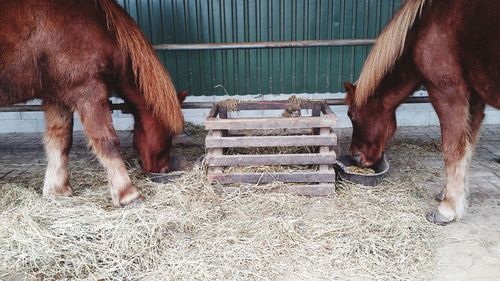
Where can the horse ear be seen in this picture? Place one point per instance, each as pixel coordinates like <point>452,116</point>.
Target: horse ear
<point>351,89</point>
<point>182,96</point>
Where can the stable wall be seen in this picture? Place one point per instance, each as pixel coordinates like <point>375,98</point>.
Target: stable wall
<point>407,114</point>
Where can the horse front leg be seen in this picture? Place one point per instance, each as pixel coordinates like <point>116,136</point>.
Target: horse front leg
<point>476,116</point>
<point>98,126</point>
<point>57,141</point>
<point>457,116</point>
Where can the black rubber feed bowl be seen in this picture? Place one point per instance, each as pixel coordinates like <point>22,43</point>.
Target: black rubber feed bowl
<point>165,178</point>
<point>178,164</point>
<point>380,169</point>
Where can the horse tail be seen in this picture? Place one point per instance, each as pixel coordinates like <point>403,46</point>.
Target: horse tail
<point>388,49</point>
<point>151,77</point>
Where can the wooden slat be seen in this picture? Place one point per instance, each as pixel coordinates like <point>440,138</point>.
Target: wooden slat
<point>274,105</point>
<point>222,112</point>
<point>215,152</point>
<point>298,177</point>
<point>325,108</point>
<point>324,150</point>
<point>270,123</point>
<point>270,159</point>
<point>309,190</point>
<point>276,132</point>
<point>214,111</point>
<point>316,112</point>
<point>305,190</point>
<point>271,141</point>
<point>316,109</point>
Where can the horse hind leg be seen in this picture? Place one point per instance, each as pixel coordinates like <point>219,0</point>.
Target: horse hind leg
<point>98,126</point>
<point>58,140</point>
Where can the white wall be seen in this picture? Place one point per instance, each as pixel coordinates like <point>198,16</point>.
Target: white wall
<point>407,114</point>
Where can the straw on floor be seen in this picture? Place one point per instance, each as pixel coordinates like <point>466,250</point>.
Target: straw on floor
<point>186,231</point>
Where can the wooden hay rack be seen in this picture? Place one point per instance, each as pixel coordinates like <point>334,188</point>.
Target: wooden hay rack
<point>314,130</point>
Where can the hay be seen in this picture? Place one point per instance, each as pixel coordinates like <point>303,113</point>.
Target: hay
<point>267,169</point>
<point>231,104</point>
<point>270,150</point>
<point>194,130</point>
<point>294,107</point>
<point>187,231</point>
<point>360,170</point>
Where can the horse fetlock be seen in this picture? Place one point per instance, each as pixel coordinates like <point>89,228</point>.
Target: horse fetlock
<point>440,196</point>
<point>459,206</point>
<point>447,211</point>
<point>126,196</point>
<point>57,190</point>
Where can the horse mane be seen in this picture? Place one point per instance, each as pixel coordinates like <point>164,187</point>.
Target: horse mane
<point>151,76</point>
<point>387,50</point>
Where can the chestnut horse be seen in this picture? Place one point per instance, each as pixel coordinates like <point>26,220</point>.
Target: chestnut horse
<point>71,54</point>
<point>451,47</point>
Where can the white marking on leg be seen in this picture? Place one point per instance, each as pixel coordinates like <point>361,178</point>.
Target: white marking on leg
<point>98,125</point>
<point>457,186</point>
<point>56,176</point>
<point>120,186</point>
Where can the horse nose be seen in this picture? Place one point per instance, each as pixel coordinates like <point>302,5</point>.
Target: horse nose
<point>357,157</point>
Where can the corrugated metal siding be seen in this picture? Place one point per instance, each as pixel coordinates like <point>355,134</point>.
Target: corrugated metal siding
<point>239,72</point>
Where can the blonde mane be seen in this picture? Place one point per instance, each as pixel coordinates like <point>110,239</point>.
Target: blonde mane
<point>151,76</point>
<point>387,50</point>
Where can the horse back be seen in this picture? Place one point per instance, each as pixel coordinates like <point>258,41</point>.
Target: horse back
<point>480,44</point>
<point>49,48</point>
<point>458,43</point>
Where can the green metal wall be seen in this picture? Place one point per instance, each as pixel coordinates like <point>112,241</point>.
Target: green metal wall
<point>239,72</point>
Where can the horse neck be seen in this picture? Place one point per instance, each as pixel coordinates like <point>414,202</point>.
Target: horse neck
<point>400,83</point>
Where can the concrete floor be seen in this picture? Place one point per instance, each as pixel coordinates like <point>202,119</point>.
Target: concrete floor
<point>471,250</point>
<point>472,247</point>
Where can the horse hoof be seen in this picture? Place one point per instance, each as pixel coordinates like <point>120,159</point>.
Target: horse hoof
<point>130,196</point>
<point>440,196</point>
<point>436,217</point>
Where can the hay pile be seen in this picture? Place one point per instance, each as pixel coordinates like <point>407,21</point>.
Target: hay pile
<point>269,150</point>
<point>294,107</point>
<point>186,231</point>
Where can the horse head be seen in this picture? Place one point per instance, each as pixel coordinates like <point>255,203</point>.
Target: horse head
<point>372,127</point>
<point>153,142</point>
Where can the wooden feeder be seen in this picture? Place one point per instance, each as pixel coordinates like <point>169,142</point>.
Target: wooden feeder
<point>316,177</point>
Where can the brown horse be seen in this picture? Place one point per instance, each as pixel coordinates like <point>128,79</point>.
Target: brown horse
<point>451,47</point>
<point>72,54</point>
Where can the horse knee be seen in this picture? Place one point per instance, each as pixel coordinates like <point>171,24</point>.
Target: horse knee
<point>106,147</point>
